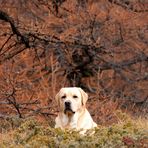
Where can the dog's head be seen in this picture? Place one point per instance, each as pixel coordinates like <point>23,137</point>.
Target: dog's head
<point>71,99</point>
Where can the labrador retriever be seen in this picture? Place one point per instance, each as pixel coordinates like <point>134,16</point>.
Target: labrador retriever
<point>72,110</point>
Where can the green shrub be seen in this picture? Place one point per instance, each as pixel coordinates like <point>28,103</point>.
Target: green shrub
<point>127,133</point>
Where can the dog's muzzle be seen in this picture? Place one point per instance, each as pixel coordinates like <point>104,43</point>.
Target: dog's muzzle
<point>68,107</point>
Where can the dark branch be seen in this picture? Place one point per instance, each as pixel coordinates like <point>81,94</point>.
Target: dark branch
<point>5,17</point>
<point>125,63</point>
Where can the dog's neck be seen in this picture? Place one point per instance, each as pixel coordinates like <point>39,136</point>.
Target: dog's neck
<point>71,118</point>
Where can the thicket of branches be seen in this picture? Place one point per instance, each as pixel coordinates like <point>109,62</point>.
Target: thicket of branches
<point>101,46</point>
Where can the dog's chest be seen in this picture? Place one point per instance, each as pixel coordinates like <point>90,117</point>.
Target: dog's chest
<point>69,122</point>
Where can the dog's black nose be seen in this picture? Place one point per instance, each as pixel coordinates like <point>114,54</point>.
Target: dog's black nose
<point>67,103</point>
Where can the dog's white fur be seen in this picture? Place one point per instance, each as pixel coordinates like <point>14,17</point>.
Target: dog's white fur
<point>78,117</point>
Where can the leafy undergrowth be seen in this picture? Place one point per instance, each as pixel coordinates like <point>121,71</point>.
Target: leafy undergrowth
<point>33,134</point>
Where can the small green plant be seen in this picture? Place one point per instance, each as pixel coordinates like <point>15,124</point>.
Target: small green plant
<point>126,133</point>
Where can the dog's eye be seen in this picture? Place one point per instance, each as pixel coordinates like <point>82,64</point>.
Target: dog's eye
<point>63,97</point>
<point>75,96</point>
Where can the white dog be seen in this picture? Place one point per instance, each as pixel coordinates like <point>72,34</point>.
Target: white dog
<point>72,110</point>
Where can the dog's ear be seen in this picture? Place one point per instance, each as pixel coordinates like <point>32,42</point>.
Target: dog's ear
<point>57,98</point>
<point>84,96</point>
